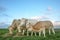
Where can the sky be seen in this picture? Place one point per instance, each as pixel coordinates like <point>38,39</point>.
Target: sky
<point>34,9</point>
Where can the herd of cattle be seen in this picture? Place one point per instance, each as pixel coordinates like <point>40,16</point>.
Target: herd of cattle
<point>24,25</point>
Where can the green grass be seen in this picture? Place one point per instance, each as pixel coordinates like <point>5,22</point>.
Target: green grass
<point>48,37</point>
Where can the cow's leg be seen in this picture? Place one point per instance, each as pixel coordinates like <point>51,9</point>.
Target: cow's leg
<point>40,33</point>
<point>11,30</point>
<point>44,32</point>
<point>27,33</point>
<point>31,33</point>
<point>49,31</point>
<point>53,31</point>
<point>23,32</point>
<point>18,28</point>
<point>35,33</point>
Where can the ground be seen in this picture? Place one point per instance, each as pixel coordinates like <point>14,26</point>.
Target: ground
<point>48,37</point>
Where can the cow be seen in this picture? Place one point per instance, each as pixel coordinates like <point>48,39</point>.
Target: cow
<point>25,24</point>
<point>14,26</point>
<point>22,26</point>
<point>40,26</point>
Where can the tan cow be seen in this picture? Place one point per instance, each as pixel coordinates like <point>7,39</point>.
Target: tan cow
<point>40,27</point>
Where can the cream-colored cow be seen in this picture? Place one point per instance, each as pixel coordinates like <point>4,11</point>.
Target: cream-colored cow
<point>40,26</point>
<point>22,26</point>
<point>14,26</point>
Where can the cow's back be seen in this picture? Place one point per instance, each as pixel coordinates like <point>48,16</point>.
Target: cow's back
<point>43,24</point>
<point>47,24</point>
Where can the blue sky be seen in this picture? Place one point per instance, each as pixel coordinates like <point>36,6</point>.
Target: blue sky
<point>16,9</point>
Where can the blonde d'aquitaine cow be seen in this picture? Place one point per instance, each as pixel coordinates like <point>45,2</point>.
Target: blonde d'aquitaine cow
<point>40,26</point>
<point>14,26</point>
<point>19,25</point>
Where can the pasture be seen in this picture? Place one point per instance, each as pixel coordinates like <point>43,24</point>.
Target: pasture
<point>48,37</point>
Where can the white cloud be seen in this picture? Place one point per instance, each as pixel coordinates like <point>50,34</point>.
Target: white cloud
<point>57,23</point>
<point>36,17</point>
<point>49,8</point>
<point>4,22</point>
<point>42,18</point>
<point>39,17</point>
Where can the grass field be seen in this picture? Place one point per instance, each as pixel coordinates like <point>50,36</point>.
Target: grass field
<point>48,37</point>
